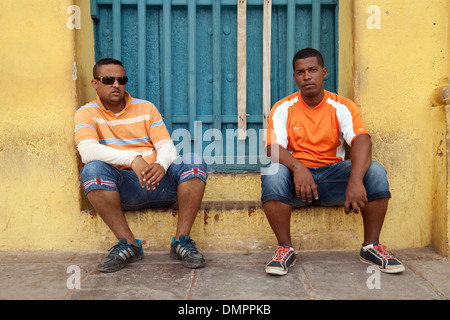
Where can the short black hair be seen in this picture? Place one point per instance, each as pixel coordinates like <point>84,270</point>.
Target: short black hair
<point>103,62</point>
<point>308,53</point>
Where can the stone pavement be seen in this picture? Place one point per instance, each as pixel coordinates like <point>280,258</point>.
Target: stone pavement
<point>53,275</point>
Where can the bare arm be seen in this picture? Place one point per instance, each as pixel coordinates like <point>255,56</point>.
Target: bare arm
<point>305,186</point>
<point>361,157</point>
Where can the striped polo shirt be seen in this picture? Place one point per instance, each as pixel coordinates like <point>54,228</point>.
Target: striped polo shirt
<point>137,127</point>
<point>315,136</point>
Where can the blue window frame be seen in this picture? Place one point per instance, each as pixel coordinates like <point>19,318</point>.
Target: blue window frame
<point>182,56</point>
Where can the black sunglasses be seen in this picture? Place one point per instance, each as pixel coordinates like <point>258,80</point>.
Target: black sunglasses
<point>111,80</point>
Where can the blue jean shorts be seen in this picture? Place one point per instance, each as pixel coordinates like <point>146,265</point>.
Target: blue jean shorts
<point>278,184</point>
<point>100,175</point>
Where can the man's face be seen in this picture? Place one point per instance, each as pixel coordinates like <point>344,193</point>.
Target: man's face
<point>110,94</point>
<point>309,76</point>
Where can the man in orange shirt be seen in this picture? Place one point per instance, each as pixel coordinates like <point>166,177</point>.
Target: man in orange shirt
<point>131,164</point>
<point>305,141</point>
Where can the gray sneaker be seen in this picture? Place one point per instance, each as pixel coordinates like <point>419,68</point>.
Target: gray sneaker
<point>120,255</point>
<point>184,249</point>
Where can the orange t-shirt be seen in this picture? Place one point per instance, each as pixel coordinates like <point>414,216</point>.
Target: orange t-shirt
<point>137,127</point>
<point>315,136</point>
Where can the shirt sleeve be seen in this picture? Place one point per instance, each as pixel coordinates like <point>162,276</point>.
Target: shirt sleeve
<point>91,150</point>
<point>85,127</point>
<point>276,127</point>
<point>157,128</point>
<point>351,122</point>
<point>87,141</point>
<point>166,153</point>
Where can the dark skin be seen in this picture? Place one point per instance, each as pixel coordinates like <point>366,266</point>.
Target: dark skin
<point>309,76</point>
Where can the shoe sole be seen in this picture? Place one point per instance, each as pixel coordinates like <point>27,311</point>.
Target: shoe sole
<point>120,266</point>
<point>279,271</point>
<point>398,269</point>
<point>187,264</point>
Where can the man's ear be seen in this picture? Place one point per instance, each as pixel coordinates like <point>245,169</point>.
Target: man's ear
<point>325,72</point>
<point>94,83</point>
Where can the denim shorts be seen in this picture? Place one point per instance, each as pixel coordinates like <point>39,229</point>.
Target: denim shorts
<point>277,184</point>
<point>100,175</point>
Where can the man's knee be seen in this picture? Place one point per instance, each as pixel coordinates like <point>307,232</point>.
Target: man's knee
<point>376,182</point>
<point>98,175</point>
<point>276,183</point>
<point>189,166</point>
<point>377,172</point>
<point>94,168</point>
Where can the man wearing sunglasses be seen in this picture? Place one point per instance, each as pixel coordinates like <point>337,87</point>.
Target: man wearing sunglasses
<point>131,163</point>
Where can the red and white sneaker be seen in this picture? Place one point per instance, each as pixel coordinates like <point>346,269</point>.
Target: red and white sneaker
<point>377,255</point>
<point>283,258</point>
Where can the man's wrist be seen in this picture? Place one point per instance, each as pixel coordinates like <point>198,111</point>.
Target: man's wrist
<point>134,159</point>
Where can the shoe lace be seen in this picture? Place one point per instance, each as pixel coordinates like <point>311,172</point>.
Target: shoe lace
<point>280,253</point>
<point>381,250</point>
<point>116,249</point>
<point>189,245</point>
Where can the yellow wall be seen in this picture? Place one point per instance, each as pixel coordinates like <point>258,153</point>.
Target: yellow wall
<point>397,68</point>
<point>85,53</point>
<point>39,185</point>
<point>390,72</point>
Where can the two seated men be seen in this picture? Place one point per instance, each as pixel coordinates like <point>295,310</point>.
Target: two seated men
<point>131,163</point>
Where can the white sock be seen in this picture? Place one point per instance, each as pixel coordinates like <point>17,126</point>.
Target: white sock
<point>369,246</point>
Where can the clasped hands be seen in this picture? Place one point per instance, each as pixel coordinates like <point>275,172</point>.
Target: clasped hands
<point>149,174</point>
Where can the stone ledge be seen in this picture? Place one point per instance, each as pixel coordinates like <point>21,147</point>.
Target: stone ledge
<point>234,226</point>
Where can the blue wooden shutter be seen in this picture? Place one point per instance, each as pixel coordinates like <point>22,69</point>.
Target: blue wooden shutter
<point>182,56</point>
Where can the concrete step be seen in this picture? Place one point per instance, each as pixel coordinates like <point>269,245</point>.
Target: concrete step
<point>227,226</point>
<point>230,219</point>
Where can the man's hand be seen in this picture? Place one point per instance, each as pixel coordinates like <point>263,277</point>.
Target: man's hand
<point>361,156</point>
<point>305,186</point>
<point>138,166</point>
<point>153,174</point>
<point>355,196</point>
<point>149,174</point>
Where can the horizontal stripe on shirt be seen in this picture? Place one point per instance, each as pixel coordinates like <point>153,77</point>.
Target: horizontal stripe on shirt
<point>117,122</point>
<point>83,126</point>
<point>95,105</point>
<point>157,123</point>
<point>124,142</point>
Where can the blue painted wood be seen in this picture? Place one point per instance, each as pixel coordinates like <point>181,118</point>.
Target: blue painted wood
<point>142,45</point>
<point>216,65</point>
<point>94,10</point>
<point>117,29</point>
<point>167,65</point>
<point>315,31</point>
<point>182,56</point>
<point>291,12</point>
<point>222,2</point>
<point>192,55</point>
